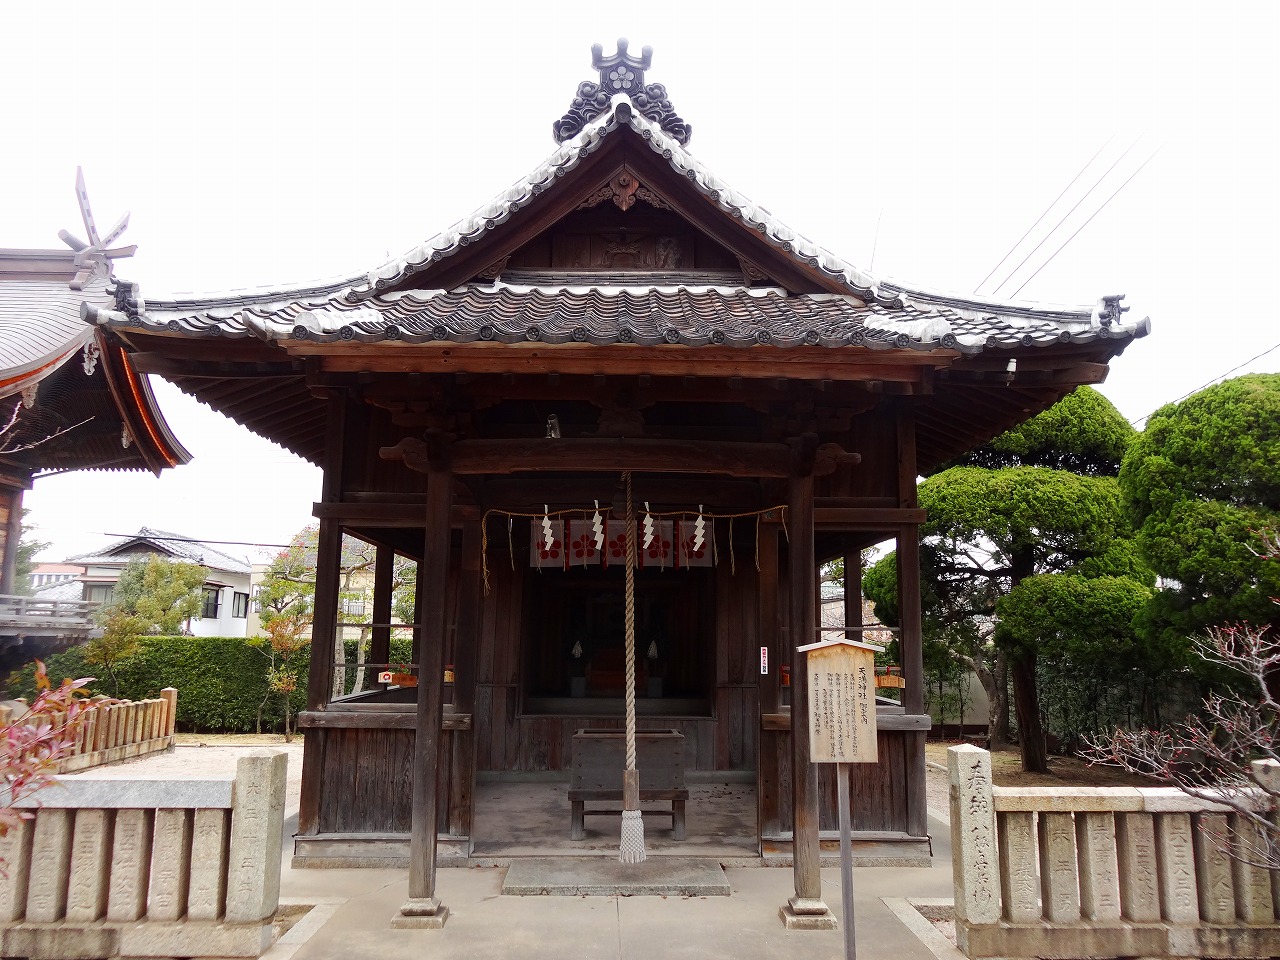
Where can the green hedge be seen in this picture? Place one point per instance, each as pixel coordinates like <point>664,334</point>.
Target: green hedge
<point>221,681</point>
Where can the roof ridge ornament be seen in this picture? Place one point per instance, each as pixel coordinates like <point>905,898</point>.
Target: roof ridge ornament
<point>621,73</point>
<point>93,258</point>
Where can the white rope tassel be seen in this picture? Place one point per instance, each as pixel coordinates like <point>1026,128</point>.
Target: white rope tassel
<point>631,848</point>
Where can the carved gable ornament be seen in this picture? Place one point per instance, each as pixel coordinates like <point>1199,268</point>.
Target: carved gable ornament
<point>621,73</point>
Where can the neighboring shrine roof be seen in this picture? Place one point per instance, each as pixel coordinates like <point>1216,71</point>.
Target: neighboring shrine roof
<point>173,545</point>
<point>70,378</point>
<point>635,308</point>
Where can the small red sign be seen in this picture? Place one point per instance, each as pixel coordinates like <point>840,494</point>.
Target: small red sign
<point>764,661</point>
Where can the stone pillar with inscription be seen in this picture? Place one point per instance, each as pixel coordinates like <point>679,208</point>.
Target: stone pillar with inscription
<point>257,832</point>
<point>973,839</point>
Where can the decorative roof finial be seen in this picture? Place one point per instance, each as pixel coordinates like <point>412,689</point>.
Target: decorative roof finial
<point>93,258</point>
<point>621,73</point>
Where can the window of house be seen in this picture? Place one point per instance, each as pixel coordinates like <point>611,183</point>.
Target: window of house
<point>211,599</point>
<point>353,606</point>
<point>240,605</point>
<point>99,592</point>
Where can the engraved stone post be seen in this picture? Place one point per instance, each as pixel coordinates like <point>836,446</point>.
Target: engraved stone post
<point>1099,879</point>
<point>1019,886</point>
<point>208,888</point>
<point>1213,868</point>
<point>1252,882</point>
<point>50,867</point>
<point>90,866</point>
<point>15,852</point>
<point>1059,880</point>
<point>170,865</point>
<point>170,697</point>
<point>1136,848</point>
<point>1176,859</point>
<point>130,865</point>
<point>973,835</point>
<point>257,827</point>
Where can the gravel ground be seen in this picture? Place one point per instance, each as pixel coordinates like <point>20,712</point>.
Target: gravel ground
<point>937,792</point>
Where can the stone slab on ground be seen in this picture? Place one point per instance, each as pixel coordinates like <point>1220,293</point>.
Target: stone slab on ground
<point>604,877</point>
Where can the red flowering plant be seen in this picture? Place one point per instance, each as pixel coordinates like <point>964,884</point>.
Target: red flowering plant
<point>36,740</point>
<point>1227,753</point>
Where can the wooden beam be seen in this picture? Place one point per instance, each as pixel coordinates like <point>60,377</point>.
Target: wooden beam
<point>500,457</point>
<point>757,362</point>
<point>830,519</point>
<point>173,367</point>
<point>717,493</point>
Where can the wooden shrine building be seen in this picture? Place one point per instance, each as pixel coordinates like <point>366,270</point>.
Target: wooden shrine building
<point>474,405</point>
<point>70,397</point>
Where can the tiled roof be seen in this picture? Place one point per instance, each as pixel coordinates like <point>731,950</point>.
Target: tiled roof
<point>178,547</point>
<point>608,308</point>
<point>567,309</point>
<point>40,326</point>
<point>61,590</point>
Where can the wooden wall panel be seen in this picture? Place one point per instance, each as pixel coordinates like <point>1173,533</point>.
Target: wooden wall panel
<point>877,794</point>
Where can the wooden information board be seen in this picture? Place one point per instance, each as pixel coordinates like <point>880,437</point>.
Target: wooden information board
<point>842,701</point>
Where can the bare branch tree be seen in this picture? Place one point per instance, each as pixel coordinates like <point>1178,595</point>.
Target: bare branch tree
<point>1227,753</point>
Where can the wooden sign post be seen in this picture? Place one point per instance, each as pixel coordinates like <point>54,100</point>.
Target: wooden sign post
<point>842,730</point>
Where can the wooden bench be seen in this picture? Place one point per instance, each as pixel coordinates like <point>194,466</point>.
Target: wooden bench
<point>598,759</point>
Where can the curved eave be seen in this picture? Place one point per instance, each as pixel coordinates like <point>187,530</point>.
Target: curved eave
<point>138,409</point>
<point>18,379</point>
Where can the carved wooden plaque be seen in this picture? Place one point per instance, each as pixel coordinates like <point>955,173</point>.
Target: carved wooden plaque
<point>842,702</point>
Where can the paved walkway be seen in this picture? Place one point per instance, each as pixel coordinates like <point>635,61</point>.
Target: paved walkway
<point>353,909</point>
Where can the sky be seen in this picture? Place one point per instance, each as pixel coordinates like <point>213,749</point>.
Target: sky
<point>261,143</point>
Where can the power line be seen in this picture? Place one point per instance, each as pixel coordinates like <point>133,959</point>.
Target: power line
<point>1054,229</point>
<point>1221,376</point>
<point>1086,223</point>
<point>1045,214</point>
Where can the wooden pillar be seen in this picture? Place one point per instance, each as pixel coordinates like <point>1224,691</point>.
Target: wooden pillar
<point>423,908</point>
<point>324,618</point>
<point>768,777</point>
<point>911,639</point>
<point>853,594</point>
<point>466,647</point>
<point>12,536</point>
<point>806,908</point>
<point>384,565</point>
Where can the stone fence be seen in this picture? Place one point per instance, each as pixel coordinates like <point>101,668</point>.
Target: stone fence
<point>1101,872</point>
<point>112,730</point>
<point>146,868</point>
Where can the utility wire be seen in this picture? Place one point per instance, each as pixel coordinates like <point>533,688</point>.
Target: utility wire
<point>1043,215</point>
<point>1221,376</point>
<point>1054,228</point>
<point>1086,223</point>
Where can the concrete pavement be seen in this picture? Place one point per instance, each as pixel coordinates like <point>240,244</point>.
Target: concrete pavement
<point>356,906</point>
<point>347,913</point>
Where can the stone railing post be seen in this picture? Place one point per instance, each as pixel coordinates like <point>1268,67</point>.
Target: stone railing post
<point>257,826</point>
<point>973,837</point>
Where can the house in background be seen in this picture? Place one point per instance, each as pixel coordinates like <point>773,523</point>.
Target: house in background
<point>226,588</point>
<point>44,575</point>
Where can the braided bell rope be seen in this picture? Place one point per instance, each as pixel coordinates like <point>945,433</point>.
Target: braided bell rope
<point>631,626</point>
